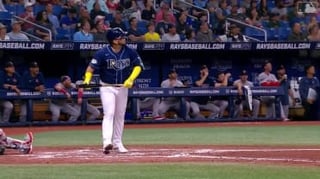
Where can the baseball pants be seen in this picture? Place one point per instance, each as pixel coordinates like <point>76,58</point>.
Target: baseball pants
<point>66,108</point>
<point>91,109</point>
<point>7,107</point>
<point>255,108</point>
<point>114,103</point>
<point>148,103</point>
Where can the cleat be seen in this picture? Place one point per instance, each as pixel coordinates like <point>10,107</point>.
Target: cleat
<point>106,149</point>
<point>120,148</point>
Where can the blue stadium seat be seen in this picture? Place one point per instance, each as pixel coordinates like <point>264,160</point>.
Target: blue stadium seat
<point>251,32</point>
<point>273,34</point>
<point>271,4</point>
<point>5,16</point>
<point>142,26</point>
<point>63,34</point>
<point>284,24</point>
<point>56,10</point>
<point>284,33</point>
<point>37,8</point>
<point>19,9</point>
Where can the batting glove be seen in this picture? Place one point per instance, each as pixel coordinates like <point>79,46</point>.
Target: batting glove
<point>128,83</point>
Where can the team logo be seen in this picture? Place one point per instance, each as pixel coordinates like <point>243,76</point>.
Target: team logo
<point>118,64</point>
<point>94,61</point>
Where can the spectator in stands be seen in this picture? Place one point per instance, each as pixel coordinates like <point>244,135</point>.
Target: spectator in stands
<point>172,102</point>
<point>9,81</point>
<point>134,34</point>
<point>182,25</point>
<point>52,18</point>
<point>3,33</point>
<point>195,11</point>
<point>97,6</point>
<point>70,21</point>
<point>85,15</point>
<point>313,21</point>
<point>296,33</point>
<point>65,86</point>
<point>43,21</point>
<point>253,18</point>
<point>162,26</point>
<point>240,101</point>
<point>148,13</point>
<point>198,103</point>
<point>16,34</point>
<point>96,10</point>
<point>314,33</point>
<point>32,80</point>
<point>308,89</point>
<point>163,13</point>
<point>263,10</point>
<point>84,34</point>
<point>113,5</point>
<point>280,9</point>
<point>204,34</point>
<point>151,35</point>
<point>172,35</point>
<point>131,10</point>
<point>28,16</point>
<point>234,35</point>
<point>266,78</point>
<point>190,36</point>
<point>221,13</point>
<point>99,31</point>
<point>285,84</point>
<point>236,14</point>
<point>118,21</point>
<point>274,21</point>
<point>70,4</point>
<point>222,80</point>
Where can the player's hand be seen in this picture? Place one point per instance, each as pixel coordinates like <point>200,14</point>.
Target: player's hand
<point>128,83</point>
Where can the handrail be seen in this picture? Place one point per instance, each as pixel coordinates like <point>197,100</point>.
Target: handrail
<point>37,25</point>
<point>248,25</point>
<point>33,36</point>
<point>192,5</point>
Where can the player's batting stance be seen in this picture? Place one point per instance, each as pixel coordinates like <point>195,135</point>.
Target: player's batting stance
<point>117,64</point>
<point>23,146</point>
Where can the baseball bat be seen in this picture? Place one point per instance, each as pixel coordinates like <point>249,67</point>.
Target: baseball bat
<point>98,85</point>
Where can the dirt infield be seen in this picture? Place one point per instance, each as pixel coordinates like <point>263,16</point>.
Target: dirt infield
<point>284,155</point>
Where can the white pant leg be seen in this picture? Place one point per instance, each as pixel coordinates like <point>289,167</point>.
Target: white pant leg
<point>7,110</point>
<point>255,108</point>
<point>194,108</point>
<point>108,100</point>
<point>120,111</point>
<point>55,111</point>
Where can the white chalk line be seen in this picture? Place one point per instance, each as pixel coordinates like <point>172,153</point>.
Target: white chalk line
<point>205,154</point>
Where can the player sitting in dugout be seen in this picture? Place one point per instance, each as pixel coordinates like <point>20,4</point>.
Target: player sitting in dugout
<point>172,102</point>
<point>23,146</point>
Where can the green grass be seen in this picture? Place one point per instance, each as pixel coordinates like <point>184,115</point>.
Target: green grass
<point>275,135</point>
<point>158,171</point>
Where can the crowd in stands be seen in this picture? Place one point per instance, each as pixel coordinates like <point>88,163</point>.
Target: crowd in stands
<point>162,21</point>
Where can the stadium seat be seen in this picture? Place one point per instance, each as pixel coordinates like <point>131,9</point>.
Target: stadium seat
<point>19,9</point>
<point>5,16</point>
<point>37,8</point>
<point>251,32</point>
<point>63,34</point>
<point>273,34</point>
<point>284,33</point>
<point>284,24</point>
<point>142,26</point>
<point>271,4</point>
<point>56,10</point>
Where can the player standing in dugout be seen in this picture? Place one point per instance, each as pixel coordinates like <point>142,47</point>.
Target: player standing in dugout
<point>118,67</point>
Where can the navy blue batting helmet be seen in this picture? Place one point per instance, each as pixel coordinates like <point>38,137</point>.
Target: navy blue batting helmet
<point>115,33</point>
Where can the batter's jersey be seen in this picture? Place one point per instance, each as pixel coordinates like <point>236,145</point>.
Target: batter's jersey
<point>15,79</point>
<point>29,82</point>
<point>115,68</point>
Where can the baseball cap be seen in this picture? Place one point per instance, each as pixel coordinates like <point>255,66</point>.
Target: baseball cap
<point>15,22</point>
<point>173,70</point>
<point>33,65</point>
<point>2,26</point>
<point>203,67</point>
<point>281,67</point>
<point>64,78</point>
<point>243,72</point>
<point>9,64</point>
<point>27,4</point>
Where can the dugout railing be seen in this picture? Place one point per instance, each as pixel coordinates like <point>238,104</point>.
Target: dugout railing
<point>29,97</point>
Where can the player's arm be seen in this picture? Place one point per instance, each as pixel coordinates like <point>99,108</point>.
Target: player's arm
<point>88,75</point>
<point>135,73</point>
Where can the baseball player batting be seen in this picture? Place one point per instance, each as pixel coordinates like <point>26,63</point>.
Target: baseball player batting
<point>116,64</point>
